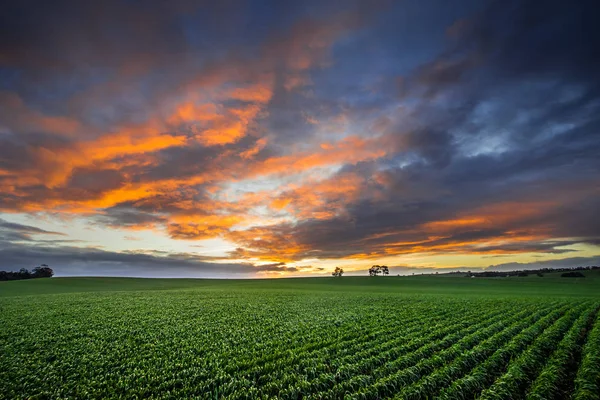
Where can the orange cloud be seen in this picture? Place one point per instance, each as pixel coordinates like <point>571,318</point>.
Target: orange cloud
<point>260,92</point>
<point>216,124</point>
<point>201,226</point>
<point>190,112</point>
<point>296,80</point>
<point>280,203</point>
<point>229,130</point>
<point>349,150</point>
<point>18,117</point>
<point>320,199</point>
<point>259,145</point>
<point>455,223</point>
<point>266,243</point>
<point>123,144</point>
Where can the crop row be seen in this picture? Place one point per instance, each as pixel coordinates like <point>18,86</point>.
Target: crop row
<point>587,382</point>
<point>553,381</point>
<point>401,365</point>
<point>482,375</point>
<point>273,377</point>
<point>190,344</point>
<point>393,383</point>
<point>430,385</point>
<point>352,369</point>
<point>525,367</point>
<point>132,345</point>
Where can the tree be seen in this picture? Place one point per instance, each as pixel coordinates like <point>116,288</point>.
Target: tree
<point>375,270</point>
<point>338,272</point>
<point>24,273</point>
<point>43,271</point>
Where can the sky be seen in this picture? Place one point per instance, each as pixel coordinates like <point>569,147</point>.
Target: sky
<point>284,138</point>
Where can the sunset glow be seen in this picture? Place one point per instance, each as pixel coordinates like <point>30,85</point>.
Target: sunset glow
<point>268,139</point>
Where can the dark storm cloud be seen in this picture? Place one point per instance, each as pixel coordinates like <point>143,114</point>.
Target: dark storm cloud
<point>142,51</point>
<point>517,40</point>
<point>95,180</point>
<point>420,194</point>
<point>69,77</point>
<point>127,216</point>
<point>89,261</point>
<point>15,231</point>
<point>508,114</point>
<point>571,262</point>
<point>560,263</point>
<point>64,36</point>
<point>517,72</point>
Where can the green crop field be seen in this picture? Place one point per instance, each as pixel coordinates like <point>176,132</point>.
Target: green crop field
<point>418,337</point>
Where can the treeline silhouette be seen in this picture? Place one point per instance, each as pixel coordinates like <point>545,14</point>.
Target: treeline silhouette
<point>567,272</point>
<point>43,271</point>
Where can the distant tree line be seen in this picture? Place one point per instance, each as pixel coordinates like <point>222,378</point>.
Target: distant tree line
<point>566,272</point>
<point>43,271</point>
<point>572,274</point>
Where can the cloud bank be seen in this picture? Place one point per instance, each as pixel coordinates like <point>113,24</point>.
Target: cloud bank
<point>300,133</point>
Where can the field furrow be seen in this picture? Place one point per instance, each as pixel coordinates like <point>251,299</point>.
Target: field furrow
<point>386,379</point>
<point>320,374</point>
<point>265,375</point>
<point>522,370</point>
<point>485,373</point>
<point>587,381</point>
<point>430,385</point>
<point>307,344</point>
<point>555,380</point>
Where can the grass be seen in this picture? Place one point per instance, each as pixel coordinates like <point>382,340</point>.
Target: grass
<point>531,286</point>
<point>350,337</point>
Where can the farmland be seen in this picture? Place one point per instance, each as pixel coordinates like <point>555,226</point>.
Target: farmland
<point>315,338</point>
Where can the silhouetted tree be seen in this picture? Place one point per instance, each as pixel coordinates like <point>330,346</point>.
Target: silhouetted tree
<point>43,271</point>
<point>375,270</point>
<point>338,272</point>
<point>24,273</point>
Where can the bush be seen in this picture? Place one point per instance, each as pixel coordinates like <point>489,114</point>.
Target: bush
<point>574,274</point>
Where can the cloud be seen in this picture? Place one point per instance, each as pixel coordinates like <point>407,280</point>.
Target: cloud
<point>213,105</point>
<point>559,263</point>
<point>571,262</point>
<point>11,231</point>
<point>129,217</point>
<point>131,238</point>
<point>482,141</point>
<point>304,133</point>
<point>89,261</point>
